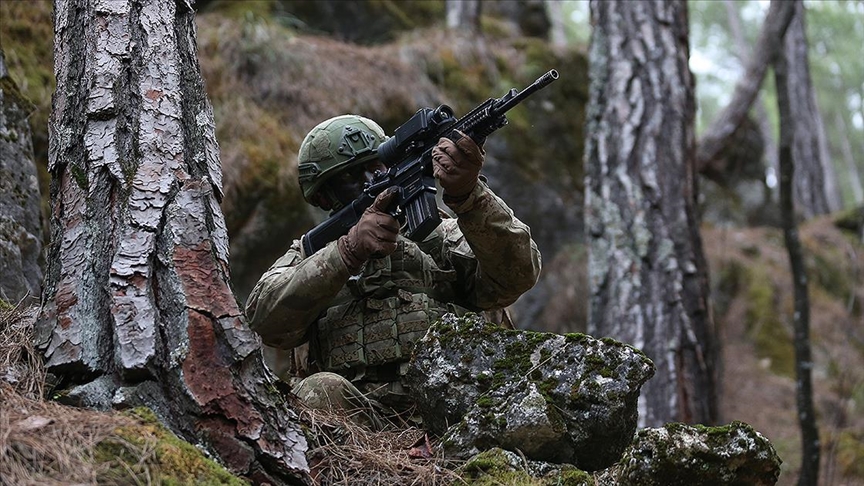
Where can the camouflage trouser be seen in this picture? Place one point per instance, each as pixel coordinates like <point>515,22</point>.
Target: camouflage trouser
<point>327,391</point>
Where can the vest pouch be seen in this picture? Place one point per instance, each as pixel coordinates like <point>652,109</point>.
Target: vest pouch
<point>340,337</point>
<point>380,335</point>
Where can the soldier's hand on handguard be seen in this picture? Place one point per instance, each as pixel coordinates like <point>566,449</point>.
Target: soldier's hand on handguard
<point>457,165</point>
<point>374,235</point>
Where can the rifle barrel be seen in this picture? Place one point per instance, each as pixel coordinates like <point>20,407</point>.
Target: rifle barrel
<point>540,83</point>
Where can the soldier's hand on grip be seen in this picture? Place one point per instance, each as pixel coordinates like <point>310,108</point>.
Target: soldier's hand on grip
<point>457,165</point>
<point>374,235</point>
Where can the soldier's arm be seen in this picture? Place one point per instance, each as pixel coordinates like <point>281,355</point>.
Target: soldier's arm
<point>290,295</point>
<point>507,259</point>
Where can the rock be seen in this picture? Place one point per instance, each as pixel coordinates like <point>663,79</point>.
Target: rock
<point>497,466</point>
<point>556,398</point>
<point>678,454</point>
<point>20,233</point>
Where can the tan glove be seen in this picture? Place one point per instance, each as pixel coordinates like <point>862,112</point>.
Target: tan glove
<point>374,236</point>
<point>457,165</point>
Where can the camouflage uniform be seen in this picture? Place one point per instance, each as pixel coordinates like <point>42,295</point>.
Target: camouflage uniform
<point>364,327</point>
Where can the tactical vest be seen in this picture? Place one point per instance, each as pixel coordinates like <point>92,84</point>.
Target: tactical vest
<point>379,315</point>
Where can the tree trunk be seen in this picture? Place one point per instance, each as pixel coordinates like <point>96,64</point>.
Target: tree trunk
<point>464,15</point>
<point>647,270</point>
<point>137,308</point>
<point>815,187</point>
<point>791,159</point>
<point>20,225</point>
<point>734,17</point>
<point>557,31</point>
<point>770,42</point>
<point>852,176</point>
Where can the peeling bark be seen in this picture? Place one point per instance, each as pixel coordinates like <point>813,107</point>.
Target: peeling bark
<point>138,308</point>
<point>647,271</point>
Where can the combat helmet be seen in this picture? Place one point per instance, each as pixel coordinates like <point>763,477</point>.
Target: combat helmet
<point>333,146</point>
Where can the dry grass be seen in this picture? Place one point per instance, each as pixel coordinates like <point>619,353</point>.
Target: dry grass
<point>42,442</point>
<point>20,364</point>
<point>343,452</point>
<point>45,443</point>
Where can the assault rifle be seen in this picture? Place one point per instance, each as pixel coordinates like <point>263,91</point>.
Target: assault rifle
<point>408,156</point>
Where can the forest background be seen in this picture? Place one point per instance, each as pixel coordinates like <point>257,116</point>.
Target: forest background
<point>248,49</point>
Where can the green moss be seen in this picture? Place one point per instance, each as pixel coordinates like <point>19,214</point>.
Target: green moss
<point>493,468</point>
<point>770,336</point>
<point>150,453</point>
<point>485,402</point>
<point>80,176</point>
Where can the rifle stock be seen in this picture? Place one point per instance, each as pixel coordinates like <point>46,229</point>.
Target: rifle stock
<point>408,156</point>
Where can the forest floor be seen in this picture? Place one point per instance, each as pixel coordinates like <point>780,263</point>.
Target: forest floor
<point>753,297</point>
<point>42,441</point>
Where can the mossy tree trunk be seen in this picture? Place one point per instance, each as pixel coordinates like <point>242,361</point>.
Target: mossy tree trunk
<point>647,270</point>
<point>137,308</point>
<point>792,160</point>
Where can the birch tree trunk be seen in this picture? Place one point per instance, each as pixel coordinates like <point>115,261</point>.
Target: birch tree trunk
<point>815,186</point>
<point>647,271</point>
<point>138,309</point>
<point>791,160</point>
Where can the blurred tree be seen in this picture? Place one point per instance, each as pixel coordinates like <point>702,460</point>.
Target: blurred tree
<point>647,272</point>
<point>717,135</point>
<point>794,102</point>
<point>761,115</point>
<point>138,308</point>
<point>835,32</point>
<point>532,17</point>
<point>815,185</point>
<point>464,15</point>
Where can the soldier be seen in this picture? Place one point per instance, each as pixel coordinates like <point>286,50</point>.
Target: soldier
<point>362,301</point>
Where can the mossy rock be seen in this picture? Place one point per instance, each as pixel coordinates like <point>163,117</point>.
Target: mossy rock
<point>497,466</point>
<point>556,398</point>
<point>682,455</point>
<point>148,453</point>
